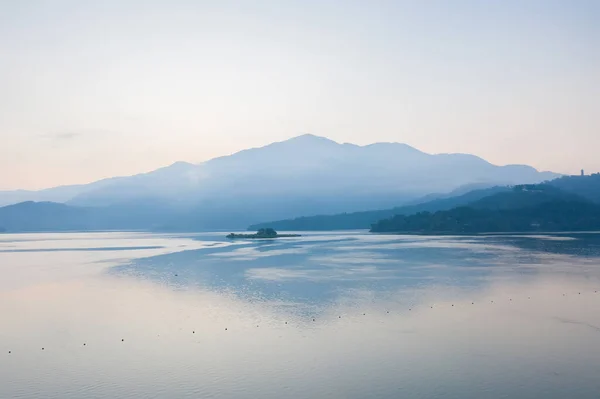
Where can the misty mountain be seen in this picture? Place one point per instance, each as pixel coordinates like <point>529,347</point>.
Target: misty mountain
<point>156,215</point>
<point>364,220</point>
<point>52,216</point>
<point>44,216</point>
<point>306,175</point>
<point>565,188</point>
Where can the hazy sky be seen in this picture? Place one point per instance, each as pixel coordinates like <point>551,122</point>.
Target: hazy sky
<point>91,89</point>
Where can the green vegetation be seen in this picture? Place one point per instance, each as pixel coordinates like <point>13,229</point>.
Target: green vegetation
<point>587,186</point>
<point>262,233</point>
<point>525,209</point>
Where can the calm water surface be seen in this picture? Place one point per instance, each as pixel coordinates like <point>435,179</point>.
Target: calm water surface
<point>344,315</point>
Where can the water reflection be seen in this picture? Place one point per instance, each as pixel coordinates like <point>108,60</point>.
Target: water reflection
<point>323,269</point>
<point>348,316</point>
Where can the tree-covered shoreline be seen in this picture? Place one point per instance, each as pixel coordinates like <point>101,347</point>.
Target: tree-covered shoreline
<point>262,233</point>
<point>553,216</point>
<point>526,208</point>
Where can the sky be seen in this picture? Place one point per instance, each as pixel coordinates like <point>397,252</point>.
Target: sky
<point>94,89</point>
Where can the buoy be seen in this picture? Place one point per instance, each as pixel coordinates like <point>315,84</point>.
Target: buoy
<point>364,314</point>
<point>42,348</point>
<point>472,303</point>
<point>409,309</point>
<point>193,332</point>
<point>225,328</point>
<point>339,317</point>
<point>122,340</point>
<point>388,311</point>
<point>452,304</point>
<point>9,352</point>
<point>84,344</point>
<point>314,320</point>
<point>286,322</point>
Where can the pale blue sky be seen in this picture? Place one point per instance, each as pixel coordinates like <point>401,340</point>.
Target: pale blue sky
<point>92,89</point>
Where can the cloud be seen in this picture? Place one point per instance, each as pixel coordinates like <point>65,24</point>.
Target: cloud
<point>63,136</point>
<point>69,136</point>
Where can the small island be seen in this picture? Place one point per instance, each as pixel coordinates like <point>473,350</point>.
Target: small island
<point>263,233</point>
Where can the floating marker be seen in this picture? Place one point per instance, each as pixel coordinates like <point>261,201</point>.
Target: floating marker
<point>9,352</point>
<point>84,344</point>
<point>193,332</point>
<point>42,348</point>
<point>314,320</point>
<point>122,340</point>
<point>225,328</point>
<point>452,304</point>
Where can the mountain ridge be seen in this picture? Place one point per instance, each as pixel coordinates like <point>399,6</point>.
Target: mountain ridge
<point>305,138</point>
<point>490,202</point>
<point>302,176</point>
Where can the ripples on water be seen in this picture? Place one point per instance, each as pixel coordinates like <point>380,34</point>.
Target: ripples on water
<point>346,315</point>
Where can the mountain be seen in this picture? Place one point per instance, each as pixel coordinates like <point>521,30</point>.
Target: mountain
<point>51,216</point>
<point>306,175</point>
<point>587,186</point>
<point>523,209</point>
<point>167,182</point>
<point>523,196</point>
<point>43,216</point>
<point>364,220</point>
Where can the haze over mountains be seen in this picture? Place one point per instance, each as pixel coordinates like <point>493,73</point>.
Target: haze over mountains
<point>306,175</point>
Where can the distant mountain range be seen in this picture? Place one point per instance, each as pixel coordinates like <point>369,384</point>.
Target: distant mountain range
<point>303,176</point>
<point>364,220</point>
<point>571,188</point>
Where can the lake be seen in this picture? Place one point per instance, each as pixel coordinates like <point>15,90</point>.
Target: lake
<point>326,315</point>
